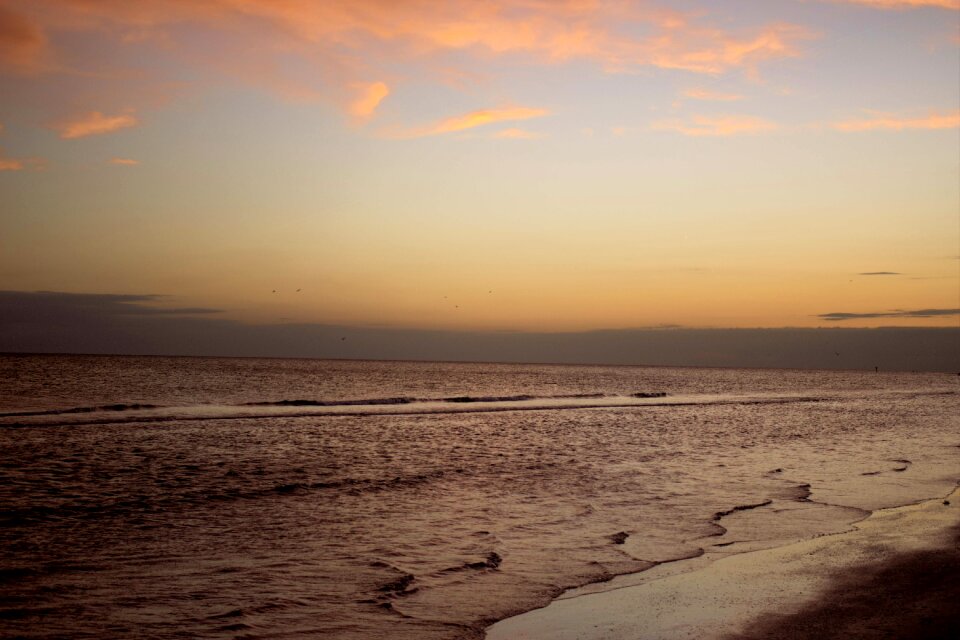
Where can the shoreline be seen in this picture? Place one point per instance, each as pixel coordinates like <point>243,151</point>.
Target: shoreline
<point>873,578</point>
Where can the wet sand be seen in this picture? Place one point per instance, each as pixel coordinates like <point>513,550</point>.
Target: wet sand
<point>895,575</point>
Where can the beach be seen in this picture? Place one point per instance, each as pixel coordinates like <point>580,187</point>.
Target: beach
<point>896,574</point>
<point>216,497</point>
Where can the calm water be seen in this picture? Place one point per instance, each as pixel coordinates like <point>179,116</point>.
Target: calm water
<point>216,498</point>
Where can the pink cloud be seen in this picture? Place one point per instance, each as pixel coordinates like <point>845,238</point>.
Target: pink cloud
<point>713,51</point>
<point>327,51</point>
<point>20,164</point>
<point>470,120</point>
<point>369,98</point>
<point>11,164</point>
<point>23,46</point>
<point>712,96</point>
<point>890,122</point>
<point>95,123</point>
<point>718,126</point>
<point>517,134</point>
<point>906,4</point>
<point>127,162</point>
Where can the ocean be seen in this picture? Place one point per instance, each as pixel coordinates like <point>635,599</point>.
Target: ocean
<point>163,497</point>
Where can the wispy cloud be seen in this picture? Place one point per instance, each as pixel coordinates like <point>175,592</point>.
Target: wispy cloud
<point>879,273</point>
<point>370,96</point>
<point>712,96</point>
<point>95,123</point>
<point>21,164</point>
<point>18,164</point>
<point>14,305</point>
<point>891,122</point>
<point>329,50</point>
<point>905,4</point>
<point>518,134</point>
<point>23,46</point>
<point>471,120</point>
<point>897,313</point>
<point>716,125</point>
<point>11,164</point>
<point>127,162</point>
<point>712,51</point>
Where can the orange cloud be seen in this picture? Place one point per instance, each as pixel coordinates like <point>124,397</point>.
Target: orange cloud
<point>20,164</point>
<point>713,51</point>
<point>17,164</point>
<point>313,51</point>
<point>713,96</point>
<point>11,164</point>
<point>128,162</point>
<point>371,95</point>
<point>893,123</point>
<point>906,4</point>
<point>23,45</point>
<point>95,123</point>
<point>517,134</point>
<point>473,119</point>
<point>716,126</point>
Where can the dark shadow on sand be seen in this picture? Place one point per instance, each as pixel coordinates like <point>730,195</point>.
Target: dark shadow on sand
<point>912,595</point>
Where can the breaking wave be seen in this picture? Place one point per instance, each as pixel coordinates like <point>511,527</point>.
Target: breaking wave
<point>103,407</point>
<point>129,413</point>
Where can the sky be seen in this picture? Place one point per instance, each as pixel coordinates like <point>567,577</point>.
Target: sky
<point>527,166</point>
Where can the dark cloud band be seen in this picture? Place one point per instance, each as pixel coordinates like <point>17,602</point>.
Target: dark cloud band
<point>898,313</point>
<point>51,322</point>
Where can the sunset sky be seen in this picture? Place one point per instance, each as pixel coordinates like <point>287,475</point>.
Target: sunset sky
<point>525,165</point>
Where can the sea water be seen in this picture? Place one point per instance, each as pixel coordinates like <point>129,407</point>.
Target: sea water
<point>218,498</point>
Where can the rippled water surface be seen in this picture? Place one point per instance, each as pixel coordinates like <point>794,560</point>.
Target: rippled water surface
<point>205,497</point>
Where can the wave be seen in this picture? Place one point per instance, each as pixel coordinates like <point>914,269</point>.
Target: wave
<point>373,402</point>
<point>253,409</point>
<point>330,403</point>
<point>719,515</point>
<point>354,485</point>
<point>291,409</point>
<point>123,413</point>
<point>135,406</point>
